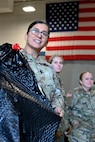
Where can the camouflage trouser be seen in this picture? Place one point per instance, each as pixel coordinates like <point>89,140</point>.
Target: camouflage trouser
<point>82,135</point>
<point>64,124</point>
<point>61,139</point>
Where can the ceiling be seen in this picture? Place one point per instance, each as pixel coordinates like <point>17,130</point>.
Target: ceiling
<point>18,1</point>
<point>7,5</point>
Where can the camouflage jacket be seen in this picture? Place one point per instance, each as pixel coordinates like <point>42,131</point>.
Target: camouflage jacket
<point>64,125</point>
<point>47,80</point>
<point>81,107</point>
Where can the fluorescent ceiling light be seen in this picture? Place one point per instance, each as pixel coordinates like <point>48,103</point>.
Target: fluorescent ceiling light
<point>29,9</point>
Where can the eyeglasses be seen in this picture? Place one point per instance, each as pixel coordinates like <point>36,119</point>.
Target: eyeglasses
<point>36,31</point>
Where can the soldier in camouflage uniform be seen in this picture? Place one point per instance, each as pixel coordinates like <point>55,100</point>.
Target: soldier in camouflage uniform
<point>37,38</point>
<point>56,62</point>
<point>81,110</point>
<point>19,102</point>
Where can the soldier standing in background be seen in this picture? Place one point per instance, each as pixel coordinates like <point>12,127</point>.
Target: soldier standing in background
<point>81,110</point>
<point>57,63</point>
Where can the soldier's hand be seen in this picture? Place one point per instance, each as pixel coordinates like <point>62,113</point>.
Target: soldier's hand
<point>69,95</point>
<point>59,111</point>
<point>58,134</point>
<point>76,124</point>
<point>68,131</point>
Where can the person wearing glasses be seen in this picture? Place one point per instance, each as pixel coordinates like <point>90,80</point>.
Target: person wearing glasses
<point>36,39</point>
<point>22,73</point>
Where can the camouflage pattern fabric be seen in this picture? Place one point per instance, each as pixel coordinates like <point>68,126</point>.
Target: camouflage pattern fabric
<point>47,79</point>
<point>81,109</point>
<point>50,84</point>
<point>64,125</point>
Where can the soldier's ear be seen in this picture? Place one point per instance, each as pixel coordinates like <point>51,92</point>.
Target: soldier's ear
<point>80,82</point>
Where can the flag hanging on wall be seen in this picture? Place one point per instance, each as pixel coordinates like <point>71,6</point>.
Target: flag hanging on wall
<point>72,26</point>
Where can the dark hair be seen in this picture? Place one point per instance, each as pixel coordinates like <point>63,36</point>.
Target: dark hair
<point>81,75</point>
<point>37,22</point>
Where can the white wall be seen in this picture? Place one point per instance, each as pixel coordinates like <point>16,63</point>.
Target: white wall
<point>72,70</point>
<point>13,27</point>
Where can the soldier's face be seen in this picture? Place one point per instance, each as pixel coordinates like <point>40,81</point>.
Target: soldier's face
<point>87,81</point>
<point>57,64</point>
<point>37,37</point>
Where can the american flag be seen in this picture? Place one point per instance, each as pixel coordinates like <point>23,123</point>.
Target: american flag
<point>72,26</point>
